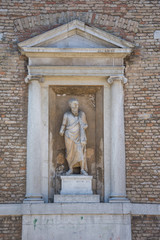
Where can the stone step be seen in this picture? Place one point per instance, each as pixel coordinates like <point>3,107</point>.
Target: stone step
<point>77,198</point>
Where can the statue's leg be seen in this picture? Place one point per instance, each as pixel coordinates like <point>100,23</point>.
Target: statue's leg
<point>83,162</point>
<point>69,154</point>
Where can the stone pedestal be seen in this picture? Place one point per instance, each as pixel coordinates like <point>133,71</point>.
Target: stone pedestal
<point>77,198</point>
<point>76,189</point>
<point>76,185</point>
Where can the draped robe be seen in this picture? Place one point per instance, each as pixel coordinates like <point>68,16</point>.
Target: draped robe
<point>74,129</point>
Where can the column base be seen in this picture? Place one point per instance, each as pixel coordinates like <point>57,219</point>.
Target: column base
<point>33,199</point>
<point>119,200</point>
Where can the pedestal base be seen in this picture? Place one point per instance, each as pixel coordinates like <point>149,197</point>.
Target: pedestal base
<point>119,200</point>
<point>76,185</point>
<point>77,198</point>
<point>33,199</point>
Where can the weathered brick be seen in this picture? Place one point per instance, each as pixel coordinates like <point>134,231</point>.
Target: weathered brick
<point>145,227</point>
<point>11,228</point>
<point>21,20</point>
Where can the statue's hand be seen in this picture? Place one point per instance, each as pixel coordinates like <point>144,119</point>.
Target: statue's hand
<point>61,133</point>
<point>83,144</point>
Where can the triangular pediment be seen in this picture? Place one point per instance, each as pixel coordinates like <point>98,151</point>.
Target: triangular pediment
<point>76,41</point>
<point>75,35</point>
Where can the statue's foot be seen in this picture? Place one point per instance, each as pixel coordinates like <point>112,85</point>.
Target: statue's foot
<point>83,172</point>
<point>70,171</point>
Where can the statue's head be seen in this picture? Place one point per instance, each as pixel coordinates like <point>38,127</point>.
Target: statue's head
<point>73,103</point>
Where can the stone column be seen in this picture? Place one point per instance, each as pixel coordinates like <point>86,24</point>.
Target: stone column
<point>33,181</point>
<point>118,176</point>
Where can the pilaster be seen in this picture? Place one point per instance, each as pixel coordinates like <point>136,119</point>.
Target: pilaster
<point>118,176</point>
<point>33,181</point>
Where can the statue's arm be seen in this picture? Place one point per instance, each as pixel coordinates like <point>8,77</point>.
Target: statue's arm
<point>84,125</point>
<point>63,126</point>
<point>84,121</point>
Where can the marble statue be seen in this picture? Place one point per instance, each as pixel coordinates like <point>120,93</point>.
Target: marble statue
<point>73,129</point>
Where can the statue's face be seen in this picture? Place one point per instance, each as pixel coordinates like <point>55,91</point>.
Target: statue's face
<point>74,108</point>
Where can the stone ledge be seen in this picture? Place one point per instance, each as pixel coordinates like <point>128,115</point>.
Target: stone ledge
<point>78,208</point>
<point>77,198</point>
<point>75,71</point>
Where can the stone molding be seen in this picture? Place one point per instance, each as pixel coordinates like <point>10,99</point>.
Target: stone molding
<point>103,43</point>
<point>72,71</point>
<point>111,79</point>
<point>114,181</point>
<point>79,208</point>
<point>73,28</point>
<point>22,24</point>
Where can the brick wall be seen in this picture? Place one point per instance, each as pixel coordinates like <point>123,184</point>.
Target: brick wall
<point>134,21</point>
<point>10,228</point>
<point>145,228</point>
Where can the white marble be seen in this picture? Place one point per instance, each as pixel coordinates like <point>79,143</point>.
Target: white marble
<point>33,184</point>
<point>79,208</point>
<point>71,227</point>
<point>73,28</point>
<point>81,61</point>
<point>75,70</point>
<point>118,177</point>
<point>75,41</point>
<point>76,185</point>
<point>75,51</point>
<point>44,142</point>
<point>77,198</point>
<point>107,142</point>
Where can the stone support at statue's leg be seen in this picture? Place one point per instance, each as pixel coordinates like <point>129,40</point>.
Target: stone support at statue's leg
<point>33,181</point>
<point>118,176</point>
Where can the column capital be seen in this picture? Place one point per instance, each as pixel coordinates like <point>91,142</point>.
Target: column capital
<point>111,79</point>
<point>30,78</point>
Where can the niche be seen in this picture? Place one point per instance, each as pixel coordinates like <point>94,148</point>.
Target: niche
<point>91,102</point>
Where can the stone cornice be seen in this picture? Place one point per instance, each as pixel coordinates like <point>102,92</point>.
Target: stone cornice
<point>72,28</point>
<point>79,208</point>
<point>94,43</point>
<point>77,52</point>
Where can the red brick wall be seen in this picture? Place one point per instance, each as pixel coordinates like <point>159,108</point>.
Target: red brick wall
<point>145,227</point>
<point>10,228</point>
<point>134,21</point>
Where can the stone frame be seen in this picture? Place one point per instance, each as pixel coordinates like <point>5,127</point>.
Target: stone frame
<point>104,67</point>
<point>90,99</point>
